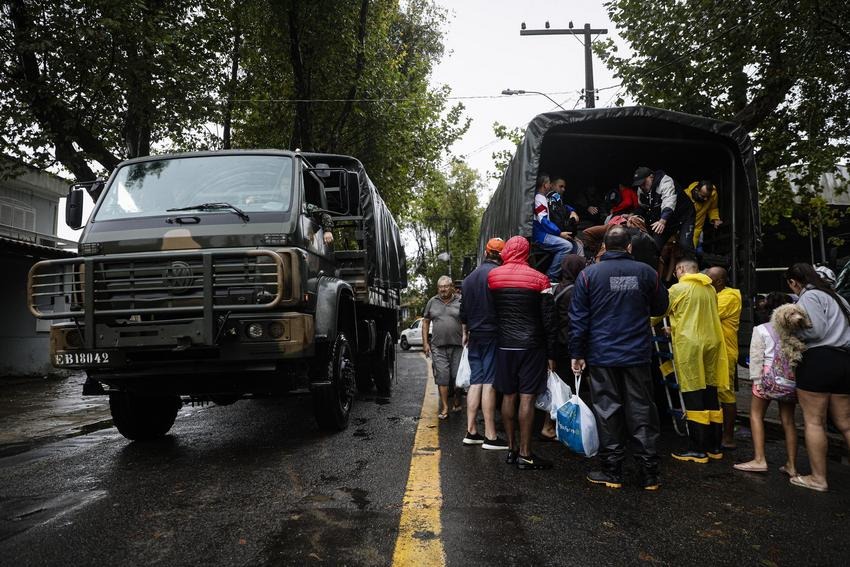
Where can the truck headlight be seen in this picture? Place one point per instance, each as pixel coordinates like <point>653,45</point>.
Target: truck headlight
<point>255,331</point>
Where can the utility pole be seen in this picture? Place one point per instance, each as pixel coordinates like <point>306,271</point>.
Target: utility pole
<point>589,91</point>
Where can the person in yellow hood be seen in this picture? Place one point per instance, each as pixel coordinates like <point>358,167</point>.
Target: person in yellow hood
<point>729,308</point>
<point>699,356</point>
<point>704,195</point>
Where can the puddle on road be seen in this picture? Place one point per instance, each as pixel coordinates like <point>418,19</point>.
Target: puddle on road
<point>16,454</point>
<point>20,514</point>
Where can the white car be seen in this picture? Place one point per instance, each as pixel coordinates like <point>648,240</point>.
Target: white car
<point>411,336</point>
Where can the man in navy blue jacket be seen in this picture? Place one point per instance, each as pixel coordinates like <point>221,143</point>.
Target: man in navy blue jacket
<point>480,336</point>
<point>612,303</point>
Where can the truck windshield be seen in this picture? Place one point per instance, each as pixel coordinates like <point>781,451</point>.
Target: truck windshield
<point>253,183</point>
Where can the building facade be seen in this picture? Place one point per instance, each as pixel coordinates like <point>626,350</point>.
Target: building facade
<point>29,216</point>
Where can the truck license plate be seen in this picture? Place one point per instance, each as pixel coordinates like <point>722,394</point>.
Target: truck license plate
<point>85,358</point>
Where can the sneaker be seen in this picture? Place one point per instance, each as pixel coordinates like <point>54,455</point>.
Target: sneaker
<point>473,439</point>
<point>511,458</point>
<point>610,480</point>
<point>532,463</point>
<point>495,444</point>
<point>692,456</point>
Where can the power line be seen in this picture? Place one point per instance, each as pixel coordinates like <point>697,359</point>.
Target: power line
<point>417,99</point>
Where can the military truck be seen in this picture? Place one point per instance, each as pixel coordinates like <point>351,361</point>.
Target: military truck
<point>206,277</point>
<point>602,147</point>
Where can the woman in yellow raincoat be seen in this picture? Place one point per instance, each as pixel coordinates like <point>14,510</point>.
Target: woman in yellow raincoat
<point>699,356</point>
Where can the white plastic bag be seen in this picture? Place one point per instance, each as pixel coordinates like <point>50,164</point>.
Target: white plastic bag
<point>559,394</point>
<point>577,425</point>
<point>463,371</point>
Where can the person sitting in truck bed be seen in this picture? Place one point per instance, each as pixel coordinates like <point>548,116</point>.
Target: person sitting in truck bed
<point>546,233</point>
<point>563,214</point>
<point>666,210</point>
<point>588,204</point>
<point>622,201</point>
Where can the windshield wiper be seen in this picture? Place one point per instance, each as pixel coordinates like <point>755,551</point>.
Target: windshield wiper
<point>214,207</point>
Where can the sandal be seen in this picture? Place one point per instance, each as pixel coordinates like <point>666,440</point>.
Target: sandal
<point>456,409</point>
<point>792,473</point>
<point>543,437</point>
<point>804,482</point>
<point>749,467</point>
<point>442,416</point>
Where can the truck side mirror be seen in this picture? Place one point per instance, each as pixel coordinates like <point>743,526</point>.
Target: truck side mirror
<point>74,208</point>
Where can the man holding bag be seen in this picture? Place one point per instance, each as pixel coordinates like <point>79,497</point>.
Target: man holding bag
<point>480,336</point>
<point>612,303</point>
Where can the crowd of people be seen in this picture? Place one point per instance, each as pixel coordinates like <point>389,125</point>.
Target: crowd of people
<point>598,309</point>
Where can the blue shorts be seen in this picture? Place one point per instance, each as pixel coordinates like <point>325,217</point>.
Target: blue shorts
<point>482,360</point>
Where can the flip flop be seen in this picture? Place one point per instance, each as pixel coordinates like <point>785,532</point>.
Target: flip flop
<point>784,469</point>
<point>804,483</point>
<point>748,467</point>
<point>442,415</point>
<point>547,438</point>
<point>456,409</point>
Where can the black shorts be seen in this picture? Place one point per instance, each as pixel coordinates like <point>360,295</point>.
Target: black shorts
<point>825,370</point>
<point>522,371</point>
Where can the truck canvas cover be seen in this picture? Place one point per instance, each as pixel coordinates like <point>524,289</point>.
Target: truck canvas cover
<point>385,251</point>
<point>602,147</point>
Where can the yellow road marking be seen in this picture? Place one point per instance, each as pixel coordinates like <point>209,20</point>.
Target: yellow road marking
<point>419,539</point>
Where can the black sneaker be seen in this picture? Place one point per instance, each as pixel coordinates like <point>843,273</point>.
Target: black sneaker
<point>511,458</point>
<point>495,444</point>
<point>692,456</point>
<point>532,463</point>
<point>473,439</point>
<point>610,480</point>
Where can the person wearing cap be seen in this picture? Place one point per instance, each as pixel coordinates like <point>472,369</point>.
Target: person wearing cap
<point>666,209</point>
<point>480,336</point>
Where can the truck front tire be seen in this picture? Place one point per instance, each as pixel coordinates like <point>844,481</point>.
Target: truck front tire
<point>332,403</point>
<point>143,418</point>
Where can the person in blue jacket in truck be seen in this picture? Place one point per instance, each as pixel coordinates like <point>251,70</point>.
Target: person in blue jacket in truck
<point>546,233</point>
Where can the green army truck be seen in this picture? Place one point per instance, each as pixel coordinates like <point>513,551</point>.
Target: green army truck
<point>208,277</point>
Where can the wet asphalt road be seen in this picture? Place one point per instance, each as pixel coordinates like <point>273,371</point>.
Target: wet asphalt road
<point>256,483</point>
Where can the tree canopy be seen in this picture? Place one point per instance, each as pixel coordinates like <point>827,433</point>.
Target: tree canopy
<point>780,68</point>
<point>87,83</point>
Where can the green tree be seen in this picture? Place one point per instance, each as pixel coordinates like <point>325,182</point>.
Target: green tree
<point>502,158</point>
<point>87,83</point>
<point>351,78</point>
<point>781,69</point>
<point>445,203</point>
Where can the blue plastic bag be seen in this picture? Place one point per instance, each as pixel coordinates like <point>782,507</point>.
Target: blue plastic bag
<point>577,425</point>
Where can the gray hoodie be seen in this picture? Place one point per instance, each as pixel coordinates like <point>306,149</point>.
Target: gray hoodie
<point>829,325</point>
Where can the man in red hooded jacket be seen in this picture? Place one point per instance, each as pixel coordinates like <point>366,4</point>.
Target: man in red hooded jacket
<point>526,342</point>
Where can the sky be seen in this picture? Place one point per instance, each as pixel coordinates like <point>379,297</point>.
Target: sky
<point>485,54</point>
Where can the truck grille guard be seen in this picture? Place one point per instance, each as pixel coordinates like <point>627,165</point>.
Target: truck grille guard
<point>183,283</point>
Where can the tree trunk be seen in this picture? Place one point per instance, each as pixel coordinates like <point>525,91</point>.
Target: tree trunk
<point>302,135</point>
<point>51,113</point>
<point>359,64</point>
<point>234,72</point>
